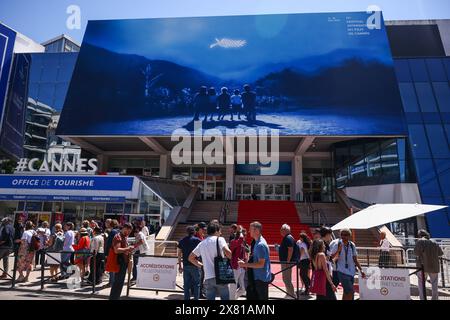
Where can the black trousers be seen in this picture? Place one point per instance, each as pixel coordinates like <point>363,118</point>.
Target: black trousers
<point>119,279</point>
<point>304,273</point>
<point>261,290</point>
<point>97,268</point>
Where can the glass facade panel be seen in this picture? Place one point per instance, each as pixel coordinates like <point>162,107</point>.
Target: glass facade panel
<point>426,98</point>
<point>409,98</point>
<point>418,70</point>
<point>442,91</point>
<point>438,141</point>
<point>419,143</point>
<point>436,70</point>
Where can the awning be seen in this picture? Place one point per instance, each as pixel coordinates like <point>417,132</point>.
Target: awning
<point>380,214</point>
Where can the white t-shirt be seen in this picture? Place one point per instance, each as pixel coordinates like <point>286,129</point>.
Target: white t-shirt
<point>69,238</point>
<point>27,235</point>
<point>145,231</point>
<point>384,245</point>
<point>305,254</point>
<point>143,247</point>
<point>207,250</point>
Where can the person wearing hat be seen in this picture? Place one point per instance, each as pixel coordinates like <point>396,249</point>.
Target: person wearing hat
<point>200,230</point>
<point>6,244</point>
<point>82,249</point>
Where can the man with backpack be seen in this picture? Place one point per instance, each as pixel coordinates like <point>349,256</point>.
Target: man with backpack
<point>344,253</point>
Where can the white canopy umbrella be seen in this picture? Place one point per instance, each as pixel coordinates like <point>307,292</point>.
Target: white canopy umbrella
<point>380,214</point>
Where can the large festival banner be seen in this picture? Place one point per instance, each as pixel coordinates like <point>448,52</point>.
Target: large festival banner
<point>157,273</point>
<point>304,74</point>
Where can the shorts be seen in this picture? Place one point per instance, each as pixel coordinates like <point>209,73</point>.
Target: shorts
<point>347,282</point>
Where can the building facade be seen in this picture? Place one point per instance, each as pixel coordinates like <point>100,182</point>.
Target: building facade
<point>393,168</point>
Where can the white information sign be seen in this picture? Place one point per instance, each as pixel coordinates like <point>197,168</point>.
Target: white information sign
<point>157,273</point>
<point>385,284</point>
<point>53,257</point>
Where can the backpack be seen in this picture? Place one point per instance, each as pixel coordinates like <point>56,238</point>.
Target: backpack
<point>58,242</point>
<point>35,243</point>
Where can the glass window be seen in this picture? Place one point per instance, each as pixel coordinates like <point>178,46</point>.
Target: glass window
<point>60,95</point>
<point>447,67</point>
<point>425,170</point>
<point>402,70</point>
<point>409,98</point>
<point>436,70</point>
<point>33,90</point>
<point>33,206</point>
<point>115,208</point>
<point>418,141</point>
<point>442,91</point>
<point>444,181</point>
<point>46,93</point>
<point>430,188</point>
<point>438,142</point>
<point>426,97</point>
<point>418,70</point>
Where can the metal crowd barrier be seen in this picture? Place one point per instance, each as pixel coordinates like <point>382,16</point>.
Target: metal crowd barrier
<point>42,254</point>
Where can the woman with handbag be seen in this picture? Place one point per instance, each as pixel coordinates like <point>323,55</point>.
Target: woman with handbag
<point>82,250</point>
<point>321,281</point>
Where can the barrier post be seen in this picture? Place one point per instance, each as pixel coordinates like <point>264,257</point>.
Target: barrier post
<point>298,282</point>
<point>13,282</point>
<point>42,260</point>
<point>442,272</point>
<point>130,265</point>
<point>94,276</point>
<point>424,287</point>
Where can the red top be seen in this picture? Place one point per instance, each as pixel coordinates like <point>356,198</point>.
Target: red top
<point>237,252</point>
<point>84,243</point>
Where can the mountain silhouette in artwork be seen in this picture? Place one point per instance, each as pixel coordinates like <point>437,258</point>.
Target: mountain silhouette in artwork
<point>112,87</point>
<point>312,65</point>
<point>354,83</point>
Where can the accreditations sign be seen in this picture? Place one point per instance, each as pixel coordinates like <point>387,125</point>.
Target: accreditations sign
<point>385,284</point>
<point>157,273</point>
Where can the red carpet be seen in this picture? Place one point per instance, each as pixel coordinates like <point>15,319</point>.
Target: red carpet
<point>272,214</point>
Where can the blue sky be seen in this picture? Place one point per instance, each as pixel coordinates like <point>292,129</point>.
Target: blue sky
<point>270,40</point>
<point>45,19</point>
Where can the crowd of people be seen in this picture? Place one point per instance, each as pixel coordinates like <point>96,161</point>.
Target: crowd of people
<point>323,262</point>
<point>66,248</point>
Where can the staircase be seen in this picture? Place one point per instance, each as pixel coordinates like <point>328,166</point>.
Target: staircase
<point>333,213</point>
<point>205,211</point>
<point>272,215</point>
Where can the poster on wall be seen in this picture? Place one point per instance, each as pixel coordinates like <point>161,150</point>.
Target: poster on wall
<point>385,284</point>
<point>157,273</point>
<point>304,74</point>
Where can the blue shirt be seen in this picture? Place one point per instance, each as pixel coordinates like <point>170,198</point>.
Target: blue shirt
<point>345,263</point>
<point>186,245</point>
<point>261,251</point>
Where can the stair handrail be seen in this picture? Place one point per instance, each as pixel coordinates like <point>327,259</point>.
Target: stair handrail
<point>313,212</point>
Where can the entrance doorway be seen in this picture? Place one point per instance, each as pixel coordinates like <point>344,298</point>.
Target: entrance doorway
<point>263,191</point>
<point>318,187</point>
